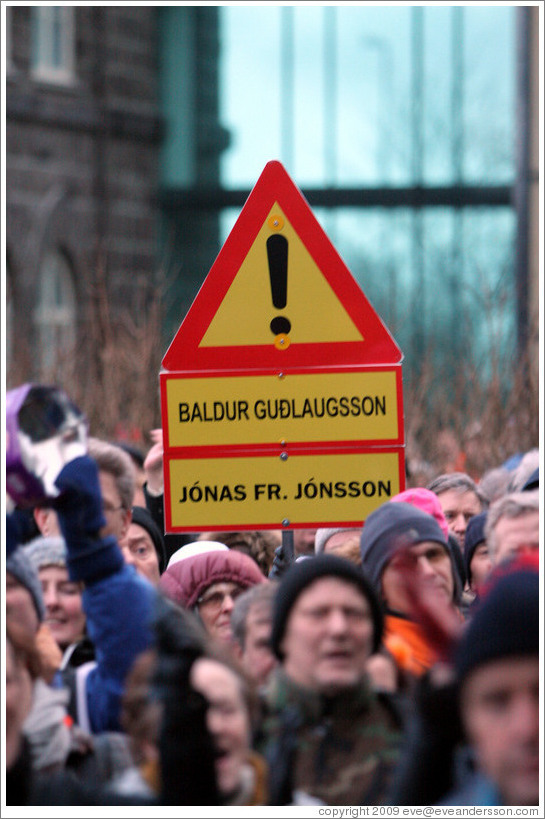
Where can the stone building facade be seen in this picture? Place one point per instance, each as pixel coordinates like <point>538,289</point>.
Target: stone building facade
<point>84,131</point>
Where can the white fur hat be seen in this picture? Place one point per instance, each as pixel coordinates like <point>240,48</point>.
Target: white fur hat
<point>199,547</point>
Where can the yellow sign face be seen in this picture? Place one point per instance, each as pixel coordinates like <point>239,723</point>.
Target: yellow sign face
<point>309,407</point>
<point>314,311</point>
<point>267,491</point>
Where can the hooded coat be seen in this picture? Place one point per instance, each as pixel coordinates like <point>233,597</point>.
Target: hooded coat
<point>185,581</point>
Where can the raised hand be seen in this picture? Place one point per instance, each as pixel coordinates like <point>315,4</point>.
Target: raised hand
<point>153,463</point>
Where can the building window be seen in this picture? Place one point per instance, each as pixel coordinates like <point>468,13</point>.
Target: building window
<point>390,97</point>
<point>55,315</point>
<point>347,95</point>
<point>53,44</point>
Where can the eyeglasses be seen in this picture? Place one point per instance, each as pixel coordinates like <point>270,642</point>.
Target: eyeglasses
<point>214,600</point>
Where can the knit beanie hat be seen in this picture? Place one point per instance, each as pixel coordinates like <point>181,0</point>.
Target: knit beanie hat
<point>390,526</point>
<point>427,501</point>
<point>505,622</point>
<point>323,535</point>
<point>18,564</point>
<point>302,574</point>
<point>143,518</point>
<point>474,536</point>
<point>47,551</point>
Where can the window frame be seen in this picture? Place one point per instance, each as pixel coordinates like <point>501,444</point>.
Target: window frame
<point>55,321</point>
<point>44,21</point>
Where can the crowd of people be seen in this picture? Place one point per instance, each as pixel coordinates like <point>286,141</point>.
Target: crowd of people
<point>392,664</point>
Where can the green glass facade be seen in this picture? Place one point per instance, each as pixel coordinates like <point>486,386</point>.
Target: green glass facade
<point>374,108</point>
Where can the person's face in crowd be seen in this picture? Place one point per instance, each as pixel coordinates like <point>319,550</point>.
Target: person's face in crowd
<point>303,541</point>
<point>480,566</point>
<point>18,704</point>
<point>63,607</point>
<point>458,508</point>
<point>215,606</point>
<point>257,656</point>
<point>328,637</point>
<point>139,551</point>
<point>47,521</point>
<point>117,517</point>
<point>227,720</point>
<point>500,712</point>
<point>434,570</point>
<point>19,605</point>
<point>512,536</point>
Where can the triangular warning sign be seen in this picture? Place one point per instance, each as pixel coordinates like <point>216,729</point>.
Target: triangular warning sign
<point>279,295</point>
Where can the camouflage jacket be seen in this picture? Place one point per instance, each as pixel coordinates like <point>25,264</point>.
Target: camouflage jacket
<point>338,750</point>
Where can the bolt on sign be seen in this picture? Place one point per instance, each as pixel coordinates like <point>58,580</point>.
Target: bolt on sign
<point>281,392</point>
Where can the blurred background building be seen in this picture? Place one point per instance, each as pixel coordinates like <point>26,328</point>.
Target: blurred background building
<point>135,133</point>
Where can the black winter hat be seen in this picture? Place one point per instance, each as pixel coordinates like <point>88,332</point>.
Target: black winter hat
<point>387,528</point>
<point>505,622</point>
<point>304,573</point>
<point>144,519</point>
<point>474,536</point>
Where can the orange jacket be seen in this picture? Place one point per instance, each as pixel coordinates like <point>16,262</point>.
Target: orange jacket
<point>406,641</point>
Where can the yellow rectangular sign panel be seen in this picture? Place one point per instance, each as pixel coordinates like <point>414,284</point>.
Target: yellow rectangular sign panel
<point>320,489</point>
<point>242,410</point>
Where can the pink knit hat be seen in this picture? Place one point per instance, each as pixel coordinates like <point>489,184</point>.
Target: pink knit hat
<point>427,501</point>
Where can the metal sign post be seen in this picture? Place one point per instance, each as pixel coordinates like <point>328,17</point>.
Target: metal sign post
<point>288,548</point>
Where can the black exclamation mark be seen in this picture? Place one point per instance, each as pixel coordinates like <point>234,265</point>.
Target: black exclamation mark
<point>277,254</point>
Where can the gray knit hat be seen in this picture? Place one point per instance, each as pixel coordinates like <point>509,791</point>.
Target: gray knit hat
<point>390,526</point>
<point>19,565</point>
<point>323,535</point>
<point>47,551</point>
